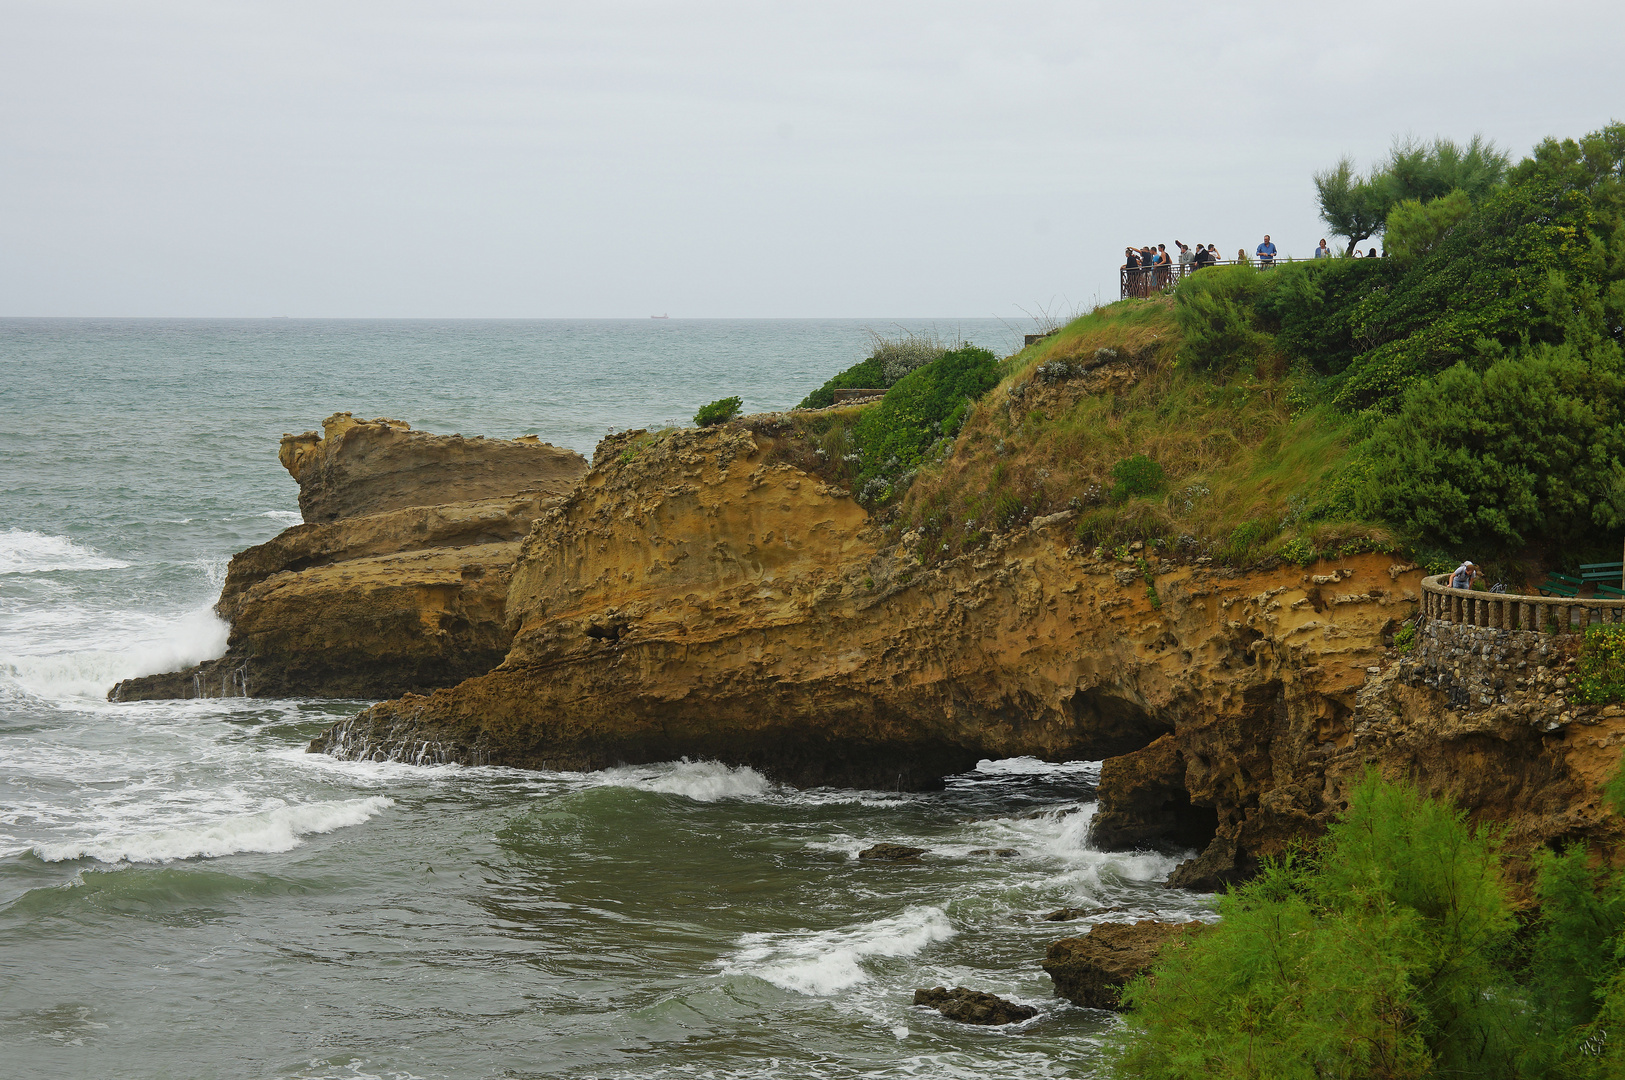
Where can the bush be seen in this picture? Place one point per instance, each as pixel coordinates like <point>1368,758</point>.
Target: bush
<point>1376,957</point>
<point>1214,308</point>
<point>1602,665</point>
<point>718,412</point>
<point>889,360</point>
<point>925,405</point>
<point>1528,448</point>
<point>1135,476</point>
<point>1415,228</point>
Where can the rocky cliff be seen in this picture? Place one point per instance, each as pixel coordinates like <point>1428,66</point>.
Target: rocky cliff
<point>698,595</point>
<point>401,581</point>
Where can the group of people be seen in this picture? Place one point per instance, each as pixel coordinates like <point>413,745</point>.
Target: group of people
<point>1148,269</point>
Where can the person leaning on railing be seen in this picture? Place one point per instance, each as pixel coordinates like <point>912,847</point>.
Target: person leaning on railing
<point>1266,252</point>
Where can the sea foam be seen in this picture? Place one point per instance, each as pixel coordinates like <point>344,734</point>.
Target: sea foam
<point>141,645</point>
<point>828,961</point>
<point>23,551</point>
<point>268,831</point>
<point>702,781</point>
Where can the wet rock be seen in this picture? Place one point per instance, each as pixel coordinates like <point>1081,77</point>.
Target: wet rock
<point>1001,852</point>
<point>973,1006</point>
<point>1092,970</point>
<point>1067,914</point>
<point>892,853</point>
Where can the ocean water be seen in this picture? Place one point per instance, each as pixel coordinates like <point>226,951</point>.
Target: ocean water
<point>185,893</point>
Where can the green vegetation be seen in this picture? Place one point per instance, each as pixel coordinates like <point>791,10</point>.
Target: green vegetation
<point>925,407</point>
<point>1391,949</point>
<point>889,360</point>
<point>1602,665</point>
<point>1465,396</point>
<point>1358,207</point>
<point>718,412</point>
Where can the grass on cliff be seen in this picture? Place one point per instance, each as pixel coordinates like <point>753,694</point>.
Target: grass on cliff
<point>1243,475</point>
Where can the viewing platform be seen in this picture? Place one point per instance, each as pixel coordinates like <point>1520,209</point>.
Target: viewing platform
<point>1515,611</point>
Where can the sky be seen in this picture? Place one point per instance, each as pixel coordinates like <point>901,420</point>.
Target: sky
<point>743,160</point>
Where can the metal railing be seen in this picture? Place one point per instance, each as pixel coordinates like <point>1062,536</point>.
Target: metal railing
<point>1147,281</point>
<point>1514,611</point>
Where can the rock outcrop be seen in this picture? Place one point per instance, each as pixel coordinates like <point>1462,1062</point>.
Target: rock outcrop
<point>973,1006</point>
<point>1092,970</point>
<point>408,597</point>
<point>356,467</point>
<point>697,595</point>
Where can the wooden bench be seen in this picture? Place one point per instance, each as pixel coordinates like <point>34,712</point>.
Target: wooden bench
<point>1561,585</point>
<point>1602,571</point>
<point>1610,592</point>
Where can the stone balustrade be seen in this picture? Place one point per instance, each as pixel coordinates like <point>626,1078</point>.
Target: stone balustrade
<point>1513,611</point>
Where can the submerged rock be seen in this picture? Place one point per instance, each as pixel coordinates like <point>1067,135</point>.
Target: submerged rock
<point>973,1006</point>
<point>892,853</point>
<point>1092,970</point>
<point>1067,914</point>
<point>1002,853</point>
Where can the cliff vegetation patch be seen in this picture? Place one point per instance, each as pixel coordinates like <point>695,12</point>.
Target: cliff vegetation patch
<point>1392,949</point>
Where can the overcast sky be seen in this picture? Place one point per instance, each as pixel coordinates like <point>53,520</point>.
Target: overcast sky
<point>716,159</point>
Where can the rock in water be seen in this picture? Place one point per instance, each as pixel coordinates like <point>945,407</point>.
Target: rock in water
<point>1092,970</point>
<point>379,594</point>
<point>973,1006</point>
<point>892,853</point>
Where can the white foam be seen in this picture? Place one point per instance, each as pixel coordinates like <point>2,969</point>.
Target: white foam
<point>818,963</point>
<point>23,551</point>
<point>150,644</point>
<point>268,831</point>
<point>287,517</point>
<point>702,781</point>
<point>1031,766</point>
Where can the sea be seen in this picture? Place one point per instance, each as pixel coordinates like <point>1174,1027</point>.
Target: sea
<point>184,892</point>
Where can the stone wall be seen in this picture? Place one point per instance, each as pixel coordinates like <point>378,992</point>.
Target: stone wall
<point>1477,667</point>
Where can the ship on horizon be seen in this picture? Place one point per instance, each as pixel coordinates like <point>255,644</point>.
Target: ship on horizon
<point>660,316</point>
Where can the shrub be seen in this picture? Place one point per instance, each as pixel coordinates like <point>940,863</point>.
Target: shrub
<point>718,412</point>
<point>925,405</point>
<point>1602,665</point>
<point>1215,312</point>
<point>1375,957</point>
<point>1528,448</point>
<point>1415,228</point>
<point>1405,638</point>
<point>1136,476</point>
<point>889,360</point>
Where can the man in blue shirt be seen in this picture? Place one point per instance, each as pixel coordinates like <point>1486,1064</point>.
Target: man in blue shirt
<point>1266,251</point>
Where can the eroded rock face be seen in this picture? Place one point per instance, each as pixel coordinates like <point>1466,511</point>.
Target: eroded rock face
<point>395,601</point>
<point>1092,970</point>
<point>355,467</point>
<point>693,597</point>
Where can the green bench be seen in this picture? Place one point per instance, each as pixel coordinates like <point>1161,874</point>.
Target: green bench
<point>1561,585</point>
<point>1602,571</point>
